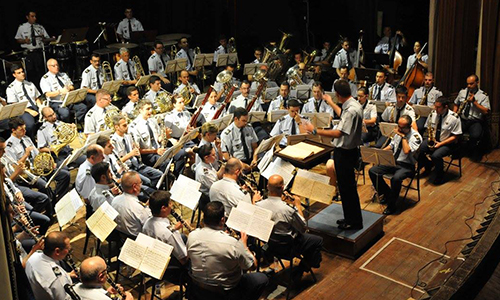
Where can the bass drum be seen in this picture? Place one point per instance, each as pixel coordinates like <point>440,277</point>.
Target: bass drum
<point>61,52</point>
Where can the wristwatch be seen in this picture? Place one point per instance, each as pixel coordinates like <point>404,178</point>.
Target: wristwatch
<point>314,132</point>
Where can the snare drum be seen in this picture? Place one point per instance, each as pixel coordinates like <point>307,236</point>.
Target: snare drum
<point>60,51</point>
<point>82,48</point>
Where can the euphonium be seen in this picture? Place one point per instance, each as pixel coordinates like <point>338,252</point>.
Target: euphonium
<point>138,66</point>
<point>65,134</point>
<point>267,55</point>
<point>293,75</point>
<point>108,76</point>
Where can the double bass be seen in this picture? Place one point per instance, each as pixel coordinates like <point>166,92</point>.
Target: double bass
<point>395,58</point>
<point>414,76</point>
<point>359,57</point>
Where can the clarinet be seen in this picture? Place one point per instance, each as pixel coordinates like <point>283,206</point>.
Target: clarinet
<point>15,205</point>
<point>69,260</point>
<point>115,286</point>
<point>68,288</point>
<point>27,230</point>
<point>116,184</point>
<point>180,219</point>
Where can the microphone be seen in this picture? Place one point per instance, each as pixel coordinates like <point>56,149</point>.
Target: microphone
<point>102,23</point>
<point>71,292</point>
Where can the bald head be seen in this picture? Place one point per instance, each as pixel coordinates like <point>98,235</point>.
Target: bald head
<point>92,270</point>
<point>275,185</point>
<point>130,181</point>
<point>232,166</point>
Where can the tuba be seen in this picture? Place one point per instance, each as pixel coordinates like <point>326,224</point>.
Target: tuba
<point>65,134</point>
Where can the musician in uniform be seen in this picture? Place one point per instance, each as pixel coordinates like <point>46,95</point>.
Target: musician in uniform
<point>128,25</point>
<point>346,57</point>
<point>132,214</point>
<point>209,134</point>
<point>404,145</point>
<point>96,117</point>
<point>425,95</point>
<point>92,79</point>
<point>192,88</point>
<point>239,139</point>
<point>381,90</point>
<point>223,48</point>
<point>289,231</point>
<point>133,99</point>
<point>422,59</point>
<point>154,89</point>
<point>117,169</point>
<point>21,149</point>
<point>289,124</point>
<point>45,274</point>
<point>347,138</point>
<point>219,86</point>
<point>344,74</point>
<point>316,103</point>
<point>125,70</point>
<point>84,183</point>
<point>281,101</point>
<point>243,100</point>
<point>369,116</point>
<point>218,261</point>
<point>446,130</point>
<point>207,169</point>
<point>157,63</point>
<point>93,276</point>
<point>472,105</point>
<point>22,90</point>
<point>30,36</point>
<point>227,190</point>
<point>55,85</point>
<point>211,107</point>
<point>188,53</point>
<point>384,45</point>
<point>102,192</point>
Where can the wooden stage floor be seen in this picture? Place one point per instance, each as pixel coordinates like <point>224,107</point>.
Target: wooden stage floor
<point>413,237</point>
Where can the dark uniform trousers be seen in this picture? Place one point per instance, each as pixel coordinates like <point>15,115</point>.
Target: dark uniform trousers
<point>475,130</point>
<point>345,162</point>
<point>436,156</point>
<point>400,172</point>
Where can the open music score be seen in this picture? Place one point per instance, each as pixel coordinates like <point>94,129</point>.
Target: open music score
<point>377,156</point>
<point>313,186</point>
<point>67,207</point>
<point>255,221</point>
<point>256,116</point>
<point>102,223</point>
<point>301,150</point>
<point>275,115</point>
<point>223,122</point>
<point>319,120</point>
<point>146,254</point>
<point>280,167</point>
<point>186,191</point>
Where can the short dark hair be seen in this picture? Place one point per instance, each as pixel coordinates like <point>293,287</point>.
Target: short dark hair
<point>363,89</point>
<point>443,100</point>
<point>245,82</point>
<point>15,67</point>
<point>98,170</point>
<point>402,90</point>
<point>154,79</point>
<point>102,140</point>
<point>142,103</point>
<point>55,239</point>
<point>130,89</point>
<point>213,213</point>
<point>286,83</point>
<point>157,200</point>
<point>15,122</point>
<point>239,112</point>
<point>294,103</point>
<point>318,84</point>
<point>117,118</point>
<point>408,119</point>
<point>158,42</point>
<point>475,77</point>
<point>95,55</point>
<point>342,88</point>
<point>203,150</point>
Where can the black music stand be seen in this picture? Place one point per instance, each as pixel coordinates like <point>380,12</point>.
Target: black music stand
<point>73,35</point>
<point>366,74</point>
<point>143,36</point>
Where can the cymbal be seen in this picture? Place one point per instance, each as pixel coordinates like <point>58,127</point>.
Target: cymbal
<point>104,51</point>
<point>14,53</point>
<point>173,36</point>
<point>165,43</point>
<point>122,45</point>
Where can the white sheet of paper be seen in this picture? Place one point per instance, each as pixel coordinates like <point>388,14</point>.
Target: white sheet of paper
<point>281,167</point>
<point>66,207</point>
<point>266,159</point>
<point>186,191</point>
<point>100,223</point>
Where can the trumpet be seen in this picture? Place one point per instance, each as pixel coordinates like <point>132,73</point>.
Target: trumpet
<point>462,106</point>
<point>26,175</point>
<point>180,219</point>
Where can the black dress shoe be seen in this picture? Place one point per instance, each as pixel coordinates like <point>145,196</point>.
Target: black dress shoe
<point>345,226</point>
<point>389,211</point>
<point>341,221</point>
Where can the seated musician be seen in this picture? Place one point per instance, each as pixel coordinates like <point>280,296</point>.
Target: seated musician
<point>346,57</point>
<point>244,99</point>
<point>473,105</point>
<point>125,70</point>
<point>257,53</point>
<point>207,170</point>
<point>117,170</point>
<point>22,90</point>
<point>316,103</point>
<point>92,79</point>
<point>223,47</point>
<point>93,276</point>
<point>218,86</point>
<point>383,46</point>
<point>157,63</point>
<point>128,25</point>
<point>404,145</point>
<point>289,231</point>
<point>425,95</point>
<point>422,58</point>
<point>188,53</point>
<point>227,190</point>
<point>446,130</point>
<point>132,213</point>
<point>239,139</point>
<point>344,74</point>
<point>104,190</point>
<point>95,118</point>
<point>281,101</point>
<point>290,124</point>
<point>147,135</point>
<point>218,261</point>
<point>381,90</point>
<point>392,113</point>
<point>21,149</point>
<point>185,84</point>
<point>369,116</point>
<point>55,85</point>
<point>128,152</point>
<point>154,89</point>
<point>45,274</point>
<point>211,107</point>
<point>84,183</point>
<point>209,136</point>
<point>133,99</point>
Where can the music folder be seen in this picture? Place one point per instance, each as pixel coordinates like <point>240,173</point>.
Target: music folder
<point>12,110</point>
<point>422,110</point>
<point>223,122</point>
<point>143,80</point>
<point>74,96</point>
<point>275,115</point>
<point>387,129</point>
<point>176,65</point>
<point>203,60</point>
<point>112,86</point>
<point>303,92</point>
<point>377,156</point>
<point>227,59</point>
<point>256,116</point>
<point>381,105</point>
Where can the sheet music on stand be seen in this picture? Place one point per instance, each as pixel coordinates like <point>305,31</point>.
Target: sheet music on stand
<point>267,144</point>
<point>381,105</point>
<point>143,80</point>
<point>112,86</point>
<point>73,97</point>
<point>313,186</point>
<point>297,138</point>
<point>74,156</point>
<point>199,100</point>
<point>102,223</point>
<point>422,110</point>
<point>334,97</point>
<point>387,129</point>
<point>67,207</point>
<point>12,110</point>
<point>226,59</point>
<point>272,93</point>
<point>255,221</point>
<point>250,69</point>
<point>275,115</point>
<point>176,65</point>
<point>169,154</point>
<point>281,167</point>
<point>223,122</point>
<point>186,191</point>
<point>256,116</point>
<point>266,159</point>
<point>92,138</point>
<point>203,60</point>
<point>377,156</point>
<point>303,92</point>
<point>319,120</point>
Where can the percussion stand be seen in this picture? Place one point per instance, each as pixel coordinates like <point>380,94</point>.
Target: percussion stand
<point>44,59</point>
<point>98,38</point>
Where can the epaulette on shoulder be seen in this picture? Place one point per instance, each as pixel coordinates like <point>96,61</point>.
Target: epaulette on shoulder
<point>86,71</point>
<point>117,64</point>
<point>89,113</point>
<point>227,131</point>
<point>282,119</point>
<point>10,86</point>
<point>45,76</point>
<point>87,172</point>
<point>454,114</point>
<point>9,144</point>
<point>417,137</point>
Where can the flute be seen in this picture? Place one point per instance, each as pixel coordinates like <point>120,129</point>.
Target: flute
<point>180,219</point>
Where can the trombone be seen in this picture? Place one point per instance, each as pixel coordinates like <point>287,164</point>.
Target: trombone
<point>108,76</point>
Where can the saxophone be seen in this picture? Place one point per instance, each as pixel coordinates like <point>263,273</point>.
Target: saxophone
<point>423,101</point>
<point>431,140</point>
<point>391,119</point>
<point>463,104</point>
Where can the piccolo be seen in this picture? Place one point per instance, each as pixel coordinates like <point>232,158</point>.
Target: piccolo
<point>180,219</point>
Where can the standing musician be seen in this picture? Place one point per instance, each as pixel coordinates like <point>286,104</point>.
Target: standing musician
<point>95,118</point>
<point>281,101</point>
<point>21,149</point>
<point>84,183</point>
<point>472,105</point>
<point>244,99</point>
<point>93,274</point>
<point>384,45</point>
<point>369,116</point>
<point>347,137</point>
<point>239,139</point>
<point>133,99</point>
<point>186,52</point>
<point>422,59</point>
<point>103,191</point>
<point>92,79</point>
<point>316,103</point>
<point>128,25</point>
<point>209,136</point>
<point>290,124</point>
<point>446,128</point>
<point>346,57</point>
<point>211,107</point>
<point>45,274</point>
<point>219,260</point>
<point>30,36</point>
<point>227,190</point>
<point>22,90</point>
<point>425,95</point>
<point>381,90</point>
<point>157,63</point>
<point>184,77</point>
<point>128,152</point>
<point>55,85</point>
<point>344,74</point>
<point>404,145</point>
<point>132,213</point>
<point>207,170</point>
<point>147,135</point>
<point>289,231</point>
<point>125,70</point>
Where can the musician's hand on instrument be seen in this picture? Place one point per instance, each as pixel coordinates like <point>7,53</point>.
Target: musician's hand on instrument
<point>253,163</point>
<point>39,245</point>
<point>63,91</point>
<point>160,151</point>
<point>19,197</point>
<point>27,40</point>
<point>73,274</point>
<point>243,238</point>
<point>113,291</point>
<point>437,145</point>
<point>256,197</point>
<point>135,152</point>
<point>115,190</point>
<point>471,98</point>
<point>28,150</point>
<point>23,210</point>
<point>178,225</point>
